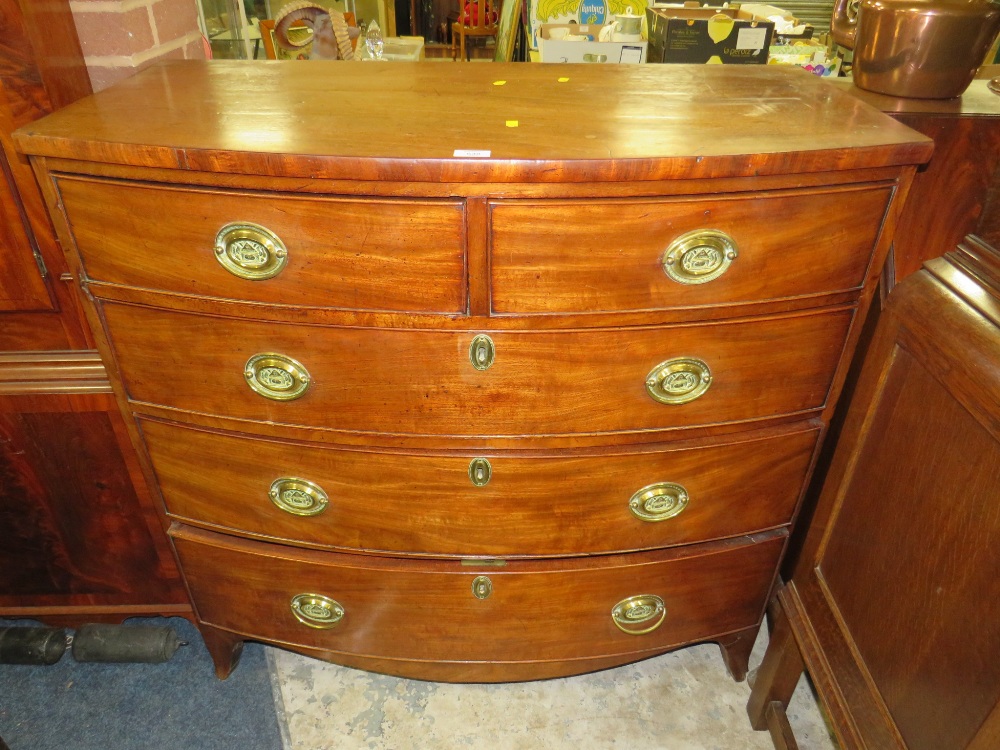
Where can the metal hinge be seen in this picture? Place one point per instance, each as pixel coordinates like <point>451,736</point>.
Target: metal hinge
<point>40,261</point>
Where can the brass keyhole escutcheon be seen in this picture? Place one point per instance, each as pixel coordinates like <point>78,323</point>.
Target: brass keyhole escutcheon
<point>658,502</point>
<point>250,251</point>
<point>276,376</point>
<point>634,614</point>
<point>482,587</point>
<point>300,497</point>
<point>482,352</point>
<point>699,257</point>
<point>480,472</point>
<point>316,610</point>
<point>679,380</point>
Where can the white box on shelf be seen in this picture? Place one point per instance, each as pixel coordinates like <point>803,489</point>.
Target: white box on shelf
<point>590,50</point>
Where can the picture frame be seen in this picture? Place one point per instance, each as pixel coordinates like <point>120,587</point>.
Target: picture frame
<point>275,51</point>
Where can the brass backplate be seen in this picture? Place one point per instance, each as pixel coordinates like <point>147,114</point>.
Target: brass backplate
<point>658,502</point>
<point>699,257</point>
<point>631,615</point>
<point>317,611</point>
<point>300,497</point>
<point>276,376</point>
<point>679,380</point>
<point>250,251</point>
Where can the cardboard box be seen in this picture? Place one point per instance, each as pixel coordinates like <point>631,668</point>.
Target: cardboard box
<point>782,33</point>
<point>586,12</point>
<point>684,34</point>
<point>561,50</point>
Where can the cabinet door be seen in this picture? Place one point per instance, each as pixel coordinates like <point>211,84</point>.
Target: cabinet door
<point>77,528</point>
<point>22,286</point>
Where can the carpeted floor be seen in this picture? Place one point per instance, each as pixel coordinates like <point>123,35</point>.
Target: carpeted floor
<point>177,705</point>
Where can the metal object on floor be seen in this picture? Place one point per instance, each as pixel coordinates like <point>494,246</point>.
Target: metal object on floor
<point>27,645</point>
<point>120,644</point>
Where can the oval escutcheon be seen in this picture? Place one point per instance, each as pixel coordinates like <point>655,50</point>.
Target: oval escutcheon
<point>480,471</point>
<point>699,257</point>
<point>658,502</point>
<point>482,352</point>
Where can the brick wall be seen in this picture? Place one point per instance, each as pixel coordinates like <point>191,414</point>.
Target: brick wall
<point>120,37</point>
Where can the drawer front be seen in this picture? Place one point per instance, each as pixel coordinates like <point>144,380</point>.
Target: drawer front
<point>423,382</point>
<point>564,256</point>
<point>359,254</point>
<point>555,504</point>
<point>416,610</point>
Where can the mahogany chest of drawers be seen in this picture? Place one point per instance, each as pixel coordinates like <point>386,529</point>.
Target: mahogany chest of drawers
<point>521,392</point>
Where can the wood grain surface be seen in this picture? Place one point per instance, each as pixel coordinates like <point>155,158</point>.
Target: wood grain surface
<point>598,255</point>
<point>893,604</point>
<point>421,382</point>
<point>540,503</point>
<point>404,246</point>
<point>406,255</point>
<point>426,611</point>
<point>652,122</point>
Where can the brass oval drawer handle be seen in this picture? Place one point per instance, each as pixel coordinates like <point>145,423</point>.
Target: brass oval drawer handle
<point>658,502</point>
<point>300,497</point>
<point>678,380</point>
<point>630,615</point>
<point>250,251</point>
<point>699,257</point>
<point>482,352</point>
<point>316,610</point>
<point>276,376</point>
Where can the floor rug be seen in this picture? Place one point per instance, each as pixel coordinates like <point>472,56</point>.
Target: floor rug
<point>177,705</point>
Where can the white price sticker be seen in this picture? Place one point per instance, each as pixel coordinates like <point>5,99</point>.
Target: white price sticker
<point>468,153</point>
<point>751,38</point>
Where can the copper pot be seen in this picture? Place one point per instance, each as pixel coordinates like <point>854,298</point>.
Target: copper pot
<point>924,49</point>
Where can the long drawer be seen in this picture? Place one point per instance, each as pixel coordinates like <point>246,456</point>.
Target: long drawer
<point>646,254</point>
<point>349,253</point>
<point>445,611</point>
<point>524,504</point>
<point>425,382</point>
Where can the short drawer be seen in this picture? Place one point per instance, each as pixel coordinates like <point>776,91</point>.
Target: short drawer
<point>446,611</point>
<point>423,382</point>
<point>347,253</point>
<point>593,256</point>
<point>559,503</point>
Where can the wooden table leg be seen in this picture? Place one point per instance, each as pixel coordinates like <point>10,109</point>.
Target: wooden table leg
<point>778,673</point>
<point>736,650</point>
<point>224,648</point>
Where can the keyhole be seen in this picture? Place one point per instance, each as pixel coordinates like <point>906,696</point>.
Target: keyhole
<point>482,352</point>
<point>480,471</point>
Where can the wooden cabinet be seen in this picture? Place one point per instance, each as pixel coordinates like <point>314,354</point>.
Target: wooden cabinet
<point>956,193</point>
<point>80,539</point>
<point>476,417</point>
<point>893,604</point>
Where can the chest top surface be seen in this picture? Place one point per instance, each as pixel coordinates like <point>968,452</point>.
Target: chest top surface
<point>414,121</point>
